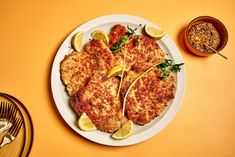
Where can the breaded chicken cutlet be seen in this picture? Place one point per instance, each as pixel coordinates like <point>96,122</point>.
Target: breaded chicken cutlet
<point>115,34</point>
<point>99,101</point>
<point>78,67</point>
<point>76,70</point>
<point>101,52</point>
<point>84,75</point>
<point>148,97</point>
<point>141,53</point>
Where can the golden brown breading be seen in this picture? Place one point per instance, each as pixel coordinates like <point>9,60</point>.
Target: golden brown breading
<point>84,75</point>
<point>148,97</point>
<point>115,34</point>
<point>76,70</point>
<point>78,67</point>
<point>142,53</point>
<point>101,52</point>
<point>98,100</point>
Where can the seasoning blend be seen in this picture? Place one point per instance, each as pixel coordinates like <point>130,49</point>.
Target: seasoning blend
<point>204,33</point>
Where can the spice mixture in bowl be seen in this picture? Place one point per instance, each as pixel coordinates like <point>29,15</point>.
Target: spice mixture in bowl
<point>204,33</point>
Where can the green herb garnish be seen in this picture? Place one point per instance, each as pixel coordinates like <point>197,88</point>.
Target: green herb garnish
<point>177,67</point>
<point>131,31</point>
<point>120,43</point>
<point>116,47</point>
<point>166,64</point>
<point>137,42</point>
<point>167,67</point>
<point>165,74</point>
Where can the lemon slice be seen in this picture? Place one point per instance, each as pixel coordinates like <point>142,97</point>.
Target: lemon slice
<point>124,131</point>
<point>153,32</point>
<point>101,35</point>
<point>77,41</point>
<point>85,124</point>
<point>116,70</point>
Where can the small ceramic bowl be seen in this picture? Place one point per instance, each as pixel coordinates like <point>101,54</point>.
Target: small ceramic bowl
<point>219,27</point>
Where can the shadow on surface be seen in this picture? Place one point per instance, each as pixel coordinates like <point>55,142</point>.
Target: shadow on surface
<point>180,40</point>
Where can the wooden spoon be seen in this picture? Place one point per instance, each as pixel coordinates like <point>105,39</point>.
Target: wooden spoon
<point>201,40</point>
<point>215,51</point>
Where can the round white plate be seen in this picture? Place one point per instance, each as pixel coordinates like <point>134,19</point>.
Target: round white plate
<point>141,133</point>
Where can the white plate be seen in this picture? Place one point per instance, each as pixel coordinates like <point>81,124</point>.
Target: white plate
<point>141,133</point>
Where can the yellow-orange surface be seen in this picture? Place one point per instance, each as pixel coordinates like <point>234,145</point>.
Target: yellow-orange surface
<point>31,32</point>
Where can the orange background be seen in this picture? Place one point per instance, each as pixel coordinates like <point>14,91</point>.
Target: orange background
<point>31,32</point>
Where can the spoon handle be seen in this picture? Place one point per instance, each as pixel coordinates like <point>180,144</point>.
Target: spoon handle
<point>222,55</point>
<point>216,51</point>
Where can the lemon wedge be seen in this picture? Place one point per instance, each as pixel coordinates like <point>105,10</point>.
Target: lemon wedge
<point>124,131</point>
<point>85,124</point>
<point>77,41</point>
<point>153,32</point>
<point>116,70</point>
<point>101,35</point>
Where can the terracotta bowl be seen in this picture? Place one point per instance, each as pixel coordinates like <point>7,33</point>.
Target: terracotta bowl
<point>219,27</point>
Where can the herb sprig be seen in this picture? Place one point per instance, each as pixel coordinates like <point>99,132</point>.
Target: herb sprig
<point>131,31</point>
<point>137,42</point>
<point>119,44</point>
<point>124,39</point>
<point>167,67</point>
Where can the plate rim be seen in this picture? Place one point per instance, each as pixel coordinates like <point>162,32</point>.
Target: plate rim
<point>172,110</point>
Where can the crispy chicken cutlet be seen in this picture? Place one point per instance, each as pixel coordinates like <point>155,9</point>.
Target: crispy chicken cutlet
<point>141,53</point>
<point>84,75</point>
<point>101,52</point>
<point>115,34</point>
<point>148,97</point>
<point>99,100</point>
<point>76,70</point>
<point>78,67</point>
